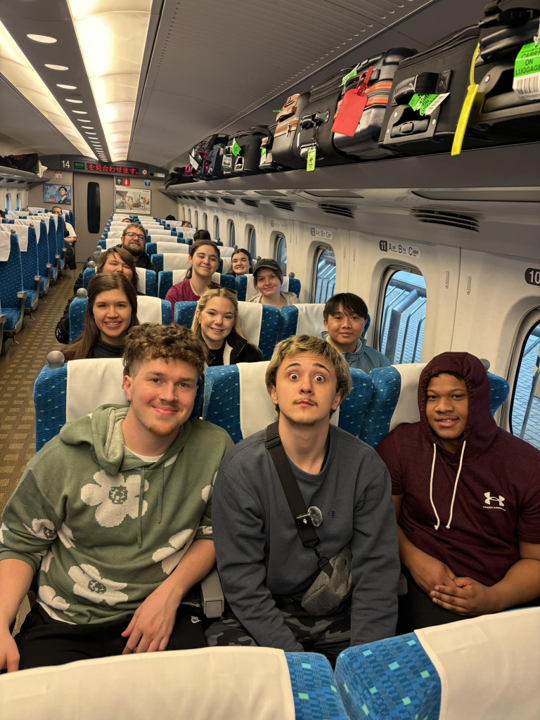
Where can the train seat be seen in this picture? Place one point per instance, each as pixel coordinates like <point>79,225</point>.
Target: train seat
<point>44,266</point>
<point>149,309</point>
<point>246,289</point>
<point>56,243</point>
<point>168,278</point>
<point>161,248</point>
<point>260,323</point>
<point>236,399</point>
<point>26,235</point>
<point>301,319</point>
<point>395,399</point>
<point>427,674</point>
<point>146,280</point>
<point>179,261</point>
<point>12,296</point>
<point>221,683</point>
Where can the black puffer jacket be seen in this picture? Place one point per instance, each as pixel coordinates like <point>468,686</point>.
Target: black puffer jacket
<point>236,350</point>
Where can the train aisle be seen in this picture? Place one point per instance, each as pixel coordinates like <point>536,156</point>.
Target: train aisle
<point>18,371</point>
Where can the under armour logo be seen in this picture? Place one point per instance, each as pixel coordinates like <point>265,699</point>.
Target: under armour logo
<point>489,499</point>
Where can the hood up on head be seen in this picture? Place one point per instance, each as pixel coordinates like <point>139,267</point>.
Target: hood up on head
<point>480,429</point>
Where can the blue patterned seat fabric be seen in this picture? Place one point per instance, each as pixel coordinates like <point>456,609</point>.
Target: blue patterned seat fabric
<point>242,280</point>
<point>43,253</point>
<point>391,678</point>
<point>11,282</point>
<point>50,403</point>
<point>30,268</point>
<point>314,688</point>
<point>184,312</point>
<point>386,390</point>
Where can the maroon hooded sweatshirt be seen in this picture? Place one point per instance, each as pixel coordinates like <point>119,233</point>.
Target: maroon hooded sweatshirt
<point>497,499</point>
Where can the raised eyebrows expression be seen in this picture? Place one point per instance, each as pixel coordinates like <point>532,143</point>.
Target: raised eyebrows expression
<point>315,365</point>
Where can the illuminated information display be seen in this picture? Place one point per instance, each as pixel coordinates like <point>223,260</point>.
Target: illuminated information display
<point>112,169</point>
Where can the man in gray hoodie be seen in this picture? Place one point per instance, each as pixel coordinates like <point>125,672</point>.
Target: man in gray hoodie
<point>114,514</point>
<point>264,566</point>
<point>345,319</point>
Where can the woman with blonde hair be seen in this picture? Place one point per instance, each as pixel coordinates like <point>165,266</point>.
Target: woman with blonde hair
<point>217,323</point>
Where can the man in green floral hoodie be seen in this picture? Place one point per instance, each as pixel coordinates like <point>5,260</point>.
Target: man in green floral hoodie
<point>115,516</point>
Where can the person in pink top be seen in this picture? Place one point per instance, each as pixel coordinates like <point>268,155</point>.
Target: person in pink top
<point>204,259</point>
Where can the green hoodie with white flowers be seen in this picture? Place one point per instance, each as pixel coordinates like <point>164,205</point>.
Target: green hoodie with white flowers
<point>107,527</point>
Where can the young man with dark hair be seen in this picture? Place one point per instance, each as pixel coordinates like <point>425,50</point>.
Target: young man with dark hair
<point>264,566</point>
<point>467,499</point>
<point>114,514</point>
<point>345,317</point>
<point>201,235</point>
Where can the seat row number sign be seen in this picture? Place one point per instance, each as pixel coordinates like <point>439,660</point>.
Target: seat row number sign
<point>399,248</point>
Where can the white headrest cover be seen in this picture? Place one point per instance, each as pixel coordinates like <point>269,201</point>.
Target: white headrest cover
<point>226,251</point>
<point>176,261</point>
<point>169,239</point>
<point>112,242</point>
<point>500,645</point>
<point>22,234</point>
<point>219,683</point>
<point>252,290</point>
<point>226,265</point>
<point>257,410</point>
<point>171,247</point>
<point>91,383</point>
<point>250,315</point>
<point>149,309</point>
<point>141,281</point>
<point>407,406</point>
<point>310,319</point>
<point>5,244</point>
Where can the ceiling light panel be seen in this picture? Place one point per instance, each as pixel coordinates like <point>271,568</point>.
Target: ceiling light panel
<point>17,70</point>
<point>42,39</point>
<point>112,37</point>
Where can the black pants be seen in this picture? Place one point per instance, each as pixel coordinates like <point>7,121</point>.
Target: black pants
<point>44,641</point>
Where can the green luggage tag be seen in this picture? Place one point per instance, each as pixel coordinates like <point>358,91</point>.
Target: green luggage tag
<point>311,158</point>
<point>236,149</point>
<point>425,104</point>
<point>526,83</point>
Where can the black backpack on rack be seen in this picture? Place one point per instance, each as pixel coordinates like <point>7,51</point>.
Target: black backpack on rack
<point>242,155</point>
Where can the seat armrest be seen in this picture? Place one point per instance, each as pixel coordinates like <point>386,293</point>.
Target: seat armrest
<point>212,600</point>
<point>22,295</point>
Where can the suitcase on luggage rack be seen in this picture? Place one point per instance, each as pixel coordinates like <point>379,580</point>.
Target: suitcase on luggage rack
<point>510,115</point>
<point>365,141</point>
<point>177,177</point>
<point>285,132</point>
<point>214,158</point>
<point>243,153</point>
<point>315,126</point>
<point>267,162</point>
<point>442,71</point>
<point>199,157</point>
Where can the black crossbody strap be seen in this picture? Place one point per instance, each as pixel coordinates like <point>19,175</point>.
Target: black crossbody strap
<point>296,503</point>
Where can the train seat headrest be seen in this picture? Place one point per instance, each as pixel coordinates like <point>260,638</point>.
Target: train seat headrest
<point>5,244</point>
<point>93,382</point>
<point>150,309</point>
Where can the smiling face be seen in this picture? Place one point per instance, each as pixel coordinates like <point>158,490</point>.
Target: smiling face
<point>216,321</point>
<point>115,264</point>
<point>204,262</point>
<point>240,264</point>
<point>161,394</point>
<point>112,315</point>
<point>268,283</point>
<point>345,329</point>
<point>306,389</point>
<point>447,409</point>
<point>133,240</point>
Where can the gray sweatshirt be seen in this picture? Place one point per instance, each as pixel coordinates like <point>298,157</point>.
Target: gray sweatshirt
<point>259,552</point>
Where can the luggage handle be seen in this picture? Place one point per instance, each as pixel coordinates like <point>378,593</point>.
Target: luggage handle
<point>500,13</point>
<point>317,118</point>
<point>427,83</point>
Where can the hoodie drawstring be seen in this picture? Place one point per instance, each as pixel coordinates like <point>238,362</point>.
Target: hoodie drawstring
<point>141,500</point>
<point>455,486</point>
<point>160,501</point>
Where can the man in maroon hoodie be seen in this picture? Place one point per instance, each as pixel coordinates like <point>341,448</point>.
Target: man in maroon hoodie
<point>467,499</point>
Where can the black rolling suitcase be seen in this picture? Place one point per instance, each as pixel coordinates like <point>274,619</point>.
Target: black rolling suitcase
<point>373,77</point>
<point>242,154</point>
<point>285,133</point>
<point>267,162</point>
<point>508,96</point>
<point>314,131</point>
<point>427,97</point>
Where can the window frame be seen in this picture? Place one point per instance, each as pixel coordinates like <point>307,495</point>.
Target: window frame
<point>205,221</point>
<point>7,202</point>
<point>216,228</point>
<point>387,274</point>
<point>250,229</point>
<point>196,219</point>
<point>18,201</point>
<point>230,230</point>
<point>529,322</point>
<point>322,247</point>
<point>279,238</point>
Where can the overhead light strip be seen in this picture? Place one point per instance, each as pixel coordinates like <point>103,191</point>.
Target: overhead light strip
<point>16,68</point>
<point>112,36</point>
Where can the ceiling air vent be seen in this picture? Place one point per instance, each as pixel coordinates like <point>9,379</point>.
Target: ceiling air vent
<point>251,203</point>
<point>213,199</point>
<point>229,201</point>
<point>201,198</point>
<point>340,210</point>
<point>446,217</point>
<point>282,205</point>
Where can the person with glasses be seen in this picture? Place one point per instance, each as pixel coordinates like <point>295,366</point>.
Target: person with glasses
<point>133,240</point>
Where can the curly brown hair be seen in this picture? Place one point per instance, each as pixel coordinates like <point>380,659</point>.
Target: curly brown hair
<point>150,341</point>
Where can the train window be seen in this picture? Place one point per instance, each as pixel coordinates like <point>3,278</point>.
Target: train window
<point>231,233</point>
<point>324,276</point>
<point>18,202</point>
<point>281,253</point>
<point>525,409</point>
<point>196,223</point>
<point>7,202</point>
<point>216,227</point>
<point>252,242</point>
<point>189,214</point>
<point>205,221</point>
<point>403,315</point>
